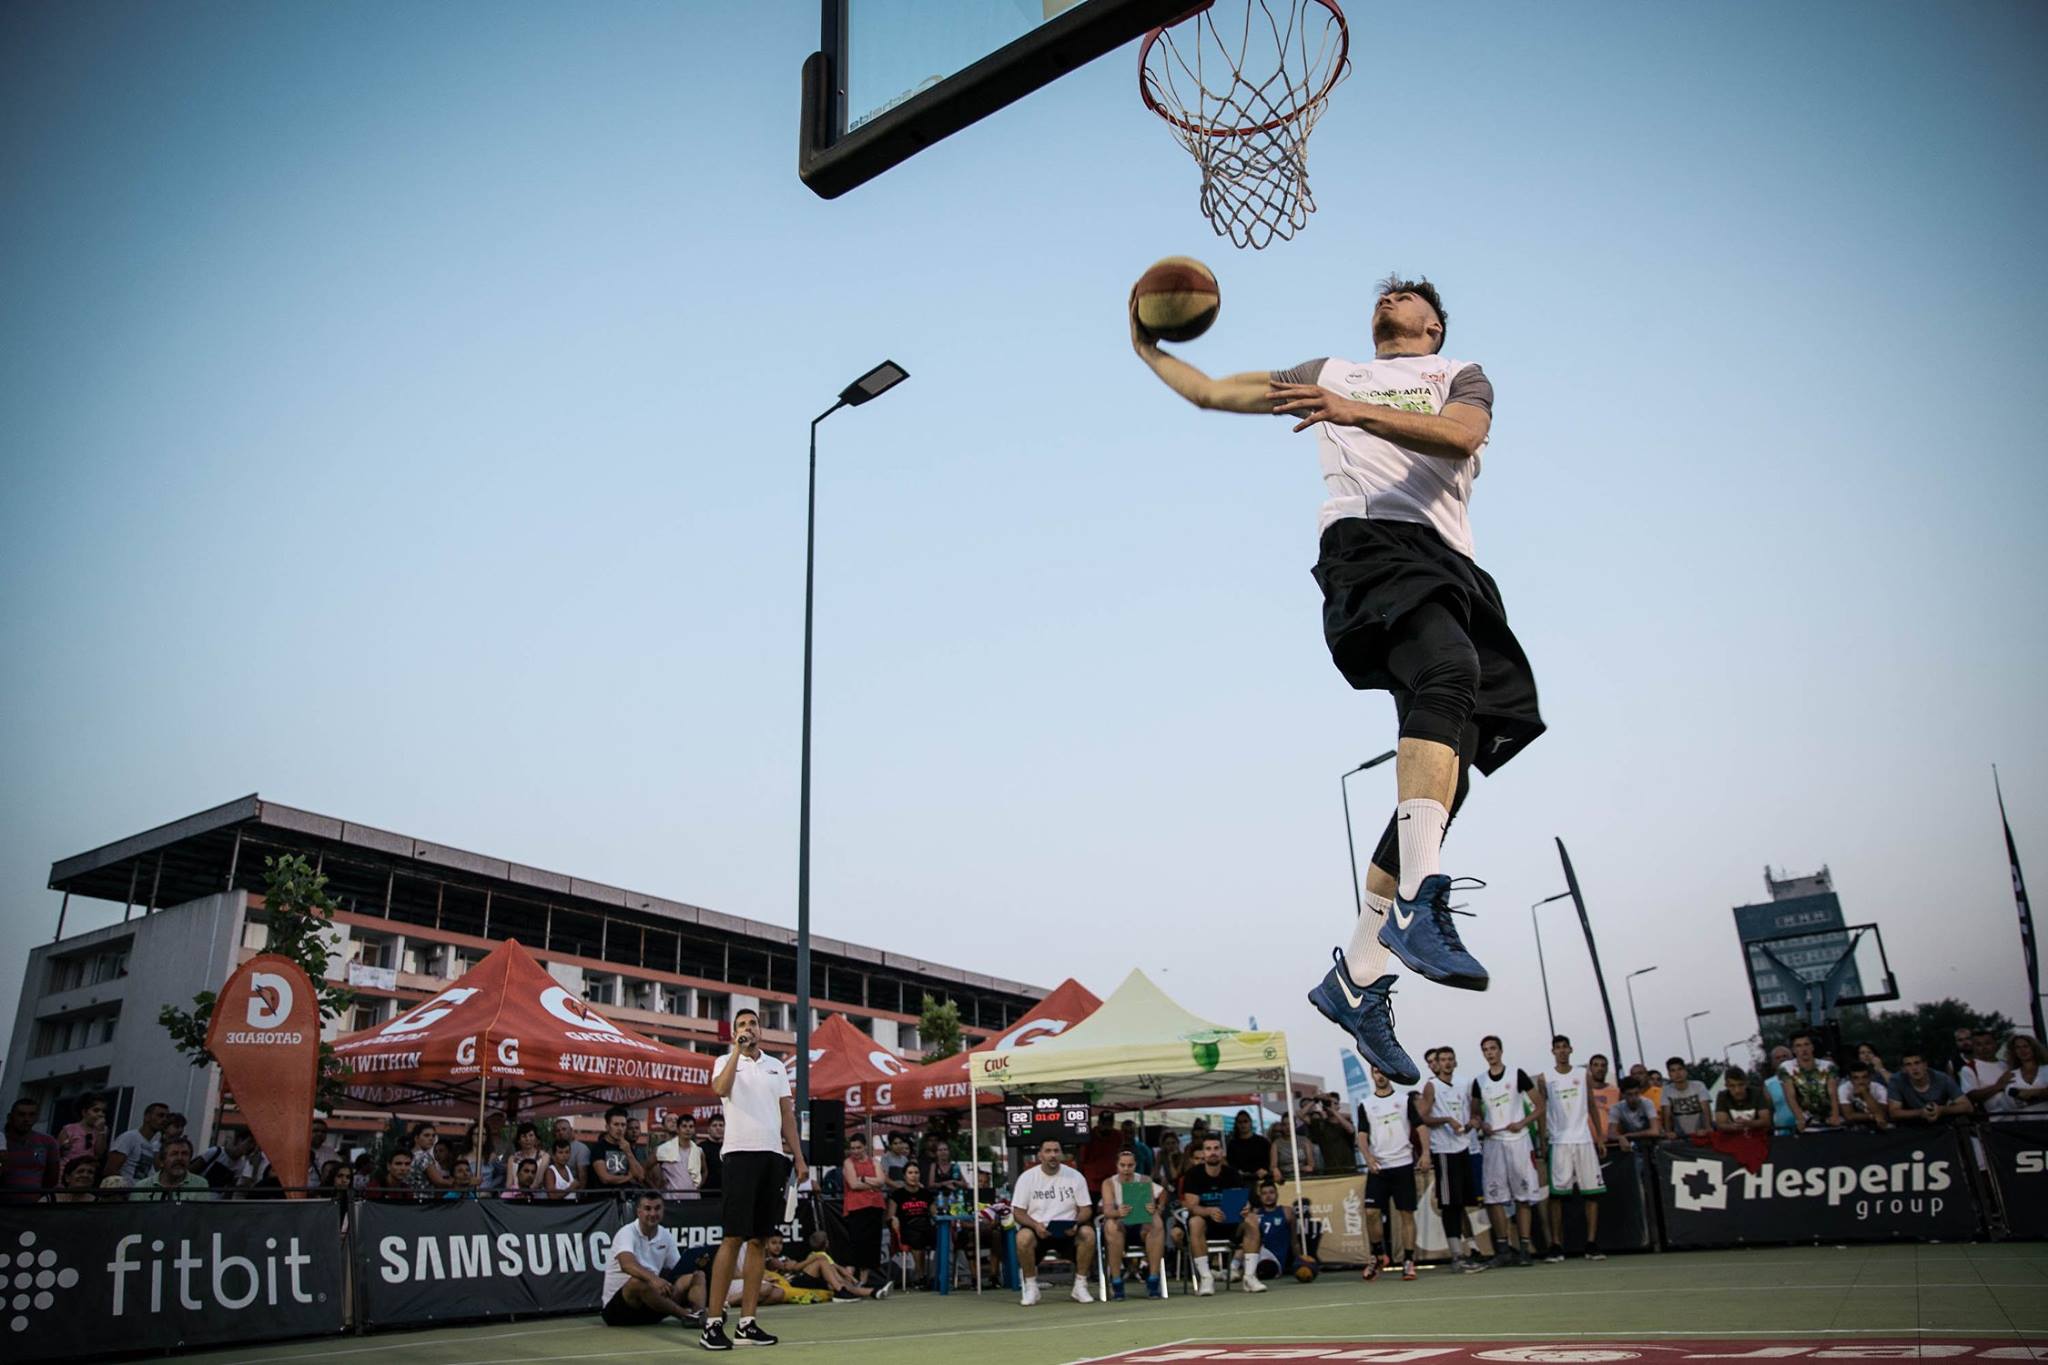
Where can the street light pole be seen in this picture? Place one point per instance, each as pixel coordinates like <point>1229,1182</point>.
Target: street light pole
<point>1351,845</point>
<point>1692,1055</point>
<point>1536,928</point>
<point>1630,982</point>
<point>873,384</point>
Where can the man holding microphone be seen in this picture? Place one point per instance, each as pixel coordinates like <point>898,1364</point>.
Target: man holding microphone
<point>760,1124</point>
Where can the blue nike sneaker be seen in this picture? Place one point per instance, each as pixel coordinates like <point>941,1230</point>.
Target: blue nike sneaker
<point>1367,1015</point>
<point>1421,934</point>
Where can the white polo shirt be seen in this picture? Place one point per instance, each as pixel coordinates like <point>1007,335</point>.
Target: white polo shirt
<point>655,1254</point>
<point>753,1111</point>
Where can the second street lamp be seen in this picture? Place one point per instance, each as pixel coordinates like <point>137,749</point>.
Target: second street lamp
<point>1541,970</point>
<point>1633,1022</point>
<point>1691,1054</point>
<point>1344,786</point>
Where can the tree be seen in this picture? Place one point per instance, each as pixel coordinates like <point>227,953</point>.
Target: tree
<point>938,1024</point>
<point>300,915</point>
<point>1927,1028</point>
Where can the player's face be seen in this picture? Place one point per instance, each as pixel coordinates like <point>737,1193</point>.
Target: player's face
<point>1446,1063</point>
<point>1403,314</point>
<point>1491,1051</point>
<point>1380,1082</point>
<point>1212,1152</point>
<point>1561,1053</point>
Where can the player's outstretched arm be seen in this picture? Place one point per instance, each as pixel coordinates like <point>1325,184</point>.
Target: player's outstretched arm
<point>1232,393</point>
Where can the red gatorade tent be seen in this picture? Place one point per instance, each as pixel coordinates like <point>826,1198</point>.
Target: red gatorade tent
<point>848,1065</point>
<point>943,1084</point>
<point>508,1026</point>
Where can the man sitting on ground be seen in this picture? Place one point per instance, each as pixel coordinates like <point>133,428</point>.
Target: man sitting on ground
<point>1131,1204</point>
<point>641,1285</point>
<point>1214,1196</point>
<point>1276,1253</point>
<point>1054,1213</point>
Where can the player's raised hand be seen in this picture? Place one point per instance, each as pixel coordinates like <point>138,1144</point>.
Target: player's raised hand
<point>1312,404</point>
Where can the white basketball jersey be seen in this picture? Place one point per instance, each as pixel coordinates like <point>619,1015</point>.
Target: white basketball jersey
<point>1503,1104</point>
<point>1449,1099</point>
<point>1565,1113</point>
<point>1387,1130</point>
<point>1370,476</point>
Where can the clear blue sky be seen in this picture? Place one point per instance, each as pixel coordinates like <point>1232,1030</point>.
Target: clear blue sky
<point>404,412</point>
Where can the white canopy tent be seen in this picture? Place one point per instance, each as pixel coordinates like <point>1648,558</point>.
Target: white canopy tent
<point>1141,1050</point>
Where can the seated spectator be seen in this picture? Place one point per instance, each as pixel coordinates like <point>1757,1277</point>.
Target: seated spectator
<point>173,1177</point>
<point>1920,1094</point>
<point>87,1135</point>
<point>1245,1151</point>
<point>1054,1212</point>
<point>1276,1247</point>
<point>1214,1196</point>
<point>1862,1100</point>
<point>642,1285</point>
<point>81,1179</point>
<point>817,1270</point>
<point>1983,1075</point>
<point>1740,1108</point>
<point>561,1179</point>
<point>1686,1111</point>
<point>2023,1090</point>
<point>679,1159</point>
<point>1809,1086</point>
<point>1633,1116</point>
<point>1131,1206</point>
<point>912,1226</point>
<point>30,1164</point>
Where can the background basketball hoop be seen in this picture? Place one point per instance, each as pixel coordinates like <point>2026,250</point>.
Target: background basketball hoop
<point>1242,83</point>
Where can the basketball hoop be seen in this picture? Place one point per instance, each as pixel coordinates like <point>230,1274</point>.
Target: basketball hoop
<point>1242,94</point>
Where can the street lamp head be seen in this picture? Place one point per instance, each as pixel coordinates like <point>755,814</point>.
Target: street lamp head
<point>1699,1014</point>
<point>1558,897</point>
<point>1642,971</point>
<point>873,384</point>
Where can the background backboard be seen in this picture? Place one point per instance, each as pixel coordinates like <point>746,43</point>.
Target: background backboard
<point>891,77</point>
<point>1847,964</point>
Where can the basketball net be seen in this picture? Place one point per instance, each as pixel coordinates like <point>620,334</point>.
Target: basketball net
<point>1242,90</point>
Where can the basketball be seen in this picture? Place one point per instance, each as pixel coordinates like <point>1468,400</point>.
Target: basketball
<point>1305,1273</point>
<point>1177,298</point>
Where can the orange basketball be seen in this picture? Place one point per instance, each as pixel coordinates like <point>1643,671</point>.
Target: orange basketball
<point>1177,298</point>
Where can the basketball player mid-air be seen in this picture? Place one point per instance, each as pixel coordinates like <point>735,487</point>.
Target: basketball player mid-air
<point>1406,611</point>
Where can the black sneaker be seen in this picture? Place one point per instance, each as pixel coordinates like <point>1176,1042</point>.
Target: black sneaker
<point>1594,1253</point>
<point>693,1318</point>
<point>750,1334</point>
<point>714,1338</point>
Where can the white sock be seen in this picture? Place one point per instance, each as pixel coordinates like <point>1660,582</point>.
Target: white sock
<point>1421,831</point>
<point>1365,957</point>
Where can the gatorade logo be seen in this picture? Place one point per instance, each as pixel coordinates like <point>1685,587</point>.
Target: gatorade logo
<point>270,1000</point>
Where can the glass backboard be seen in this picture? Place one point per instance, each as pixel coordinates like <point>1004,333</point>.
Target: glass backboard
<point>1830,968</point>
<point>891,77</point>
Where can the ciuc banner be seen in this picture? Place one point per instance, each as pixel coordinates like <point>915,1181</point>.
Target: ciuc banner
<point>2019,1164</point>
<point>1839,1186</point>
<point>455,1259</point>
<point>86,1281</point>
<point>265,1034</point>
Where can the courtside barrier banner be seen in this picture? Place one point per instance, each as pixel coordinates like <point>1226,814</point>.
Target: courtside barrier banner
<point>2019,1165</point>
<point>85,1281</point>
<point>1336,1203</point>
<point>457,1259</point>
<point>1835,1186</point>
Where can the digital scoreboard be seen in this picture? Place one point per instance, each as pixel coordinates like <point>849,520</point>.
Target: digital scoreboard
<point>1030,1122</point>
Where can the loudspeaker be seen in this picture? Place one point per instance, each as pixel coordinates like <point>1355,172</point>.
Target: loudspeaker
<point>828,1133</point>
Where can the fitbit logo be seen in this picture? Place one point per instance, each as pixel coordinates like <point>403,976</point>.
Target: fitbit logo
<point>230,1282</point>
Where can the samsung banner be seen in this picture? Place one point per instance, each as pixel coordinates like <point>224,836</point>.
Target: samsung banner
<point>92,1280</point>
<point>1838,1186</point>
<point>454,1260</point>
<point>2019,1164</point>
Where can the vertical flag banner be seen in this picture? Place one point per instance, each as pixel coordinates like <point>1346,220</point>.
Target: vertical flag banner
<point>266,1036</point>
<point>2019,894</point>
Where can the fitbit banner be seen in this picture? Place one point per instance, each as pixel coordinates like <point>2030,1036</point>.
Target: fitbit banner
<point>2018,1153</point>
<point>1839,1186</point>
<point>86,1281</point>
<point>485,1258</point>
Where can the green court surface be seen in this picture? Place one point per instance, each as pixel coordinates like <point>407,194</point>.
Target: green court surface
<point>1786,1296</point>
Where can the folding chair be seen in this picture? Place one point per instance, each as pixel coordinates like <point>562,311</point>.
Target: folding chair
<point>1134,1250</point>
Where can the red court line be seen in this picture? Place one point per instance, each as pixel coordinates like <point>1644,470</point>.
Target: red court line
<point>1663,1352</point>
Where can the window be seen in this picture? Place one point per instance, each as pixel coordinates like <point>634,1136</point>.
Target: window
<point>367,1015</point>
<point>675,1000</point>
<point>256,935</point>
<point>907,1040</point>
<point>600,990</point>
<point>711,1005</point>
<point>372,951</point>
